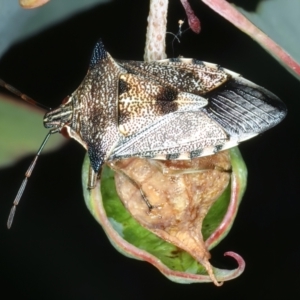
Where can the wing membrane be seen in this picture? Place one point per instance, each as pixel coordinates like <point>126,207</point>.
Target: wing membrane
<point>244,109</point>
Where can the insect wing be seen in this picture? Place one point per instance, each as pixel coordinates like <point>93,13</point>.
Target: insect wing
<point>183,74</point>
<point>182,135</point>
<point>235,110</point>
<point>244,109</point>
<point>142,102</point>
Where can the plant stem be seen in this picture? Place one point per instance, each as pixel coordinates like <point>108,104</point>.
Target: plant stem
<point>155,48</point>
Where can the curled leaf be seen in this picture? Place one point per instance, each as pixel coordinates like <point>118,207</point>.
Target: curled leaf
<point>177,248</point>
<point>180,192</point>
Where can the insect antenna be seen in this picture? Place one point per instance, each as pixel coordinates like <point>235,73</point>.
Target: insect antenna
<point>33,163</point>
<point>24,183</point>
<point>22,96</point>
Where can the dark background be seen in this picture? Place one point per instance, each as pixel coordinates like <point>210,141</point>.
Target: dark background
<point>56,250</point>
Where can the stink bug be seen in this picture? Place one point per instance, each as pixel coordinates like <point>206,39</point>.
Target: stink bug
<point>173,109</point>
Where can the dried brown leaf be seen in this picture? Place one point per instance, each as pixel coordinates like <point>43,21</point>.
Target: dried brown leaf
<point>181,193</point>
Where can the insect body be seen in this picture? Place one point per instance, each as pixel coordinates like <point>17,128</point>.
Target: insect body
<point>169,109</point>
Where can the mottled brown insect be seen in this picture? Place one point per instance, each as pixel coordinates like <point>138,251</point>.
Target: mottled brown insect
<point>169,109</point>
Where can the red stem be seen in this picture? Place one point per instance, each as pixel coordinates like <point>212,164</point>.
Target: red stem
<point>193,21</point>
<point>231,14</point>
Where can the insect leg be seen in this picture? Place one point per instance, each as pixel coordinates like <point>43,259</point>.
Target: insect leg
<point>92,179</point>
<point>138,186</point>
<point>145,199</point>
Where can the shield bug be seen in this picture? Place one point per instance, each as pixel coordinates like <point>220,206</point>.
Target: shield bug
<point>173,109</point>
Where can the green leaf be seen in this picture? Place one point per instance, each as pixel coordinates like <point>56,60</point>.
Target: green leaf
<point>17,23</point>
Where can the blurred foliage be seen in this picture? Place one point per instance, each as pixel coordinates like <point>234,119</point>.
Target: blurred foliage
<point>21,130</point>
<point>17,24</point>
